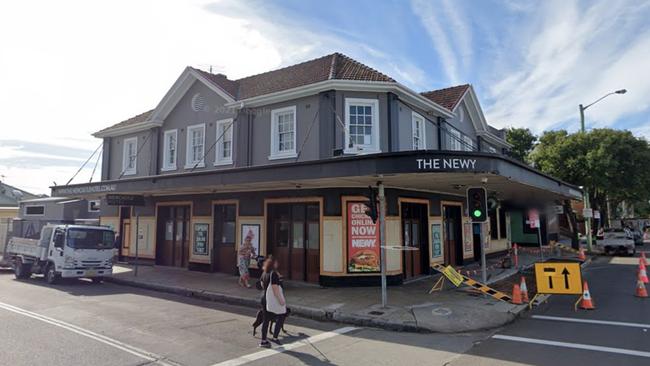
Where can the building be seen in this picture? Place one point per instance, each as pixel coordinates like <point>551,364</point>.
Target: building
<point>35,213</point>
<point>284,158</point>
<point>9,210</point>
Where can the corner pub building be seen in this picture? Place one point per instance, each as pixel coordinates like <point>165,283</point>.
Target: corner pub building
<point>285,158</point>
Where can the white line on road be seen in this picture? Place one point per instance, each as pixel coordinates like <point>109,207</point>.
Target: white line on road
<point>622,351</point>
<point>87,333</point>
<point>287,347</point>
<point>591,321</point>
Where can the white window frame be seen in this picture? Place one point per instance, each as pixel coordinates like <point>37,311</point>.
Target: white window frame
<point>373,147</point>
<point>43,214</point>
<point>422,131</point>
<point>275,138</point>
<point>126,157</point>
<point>468,143</point>
<point>166,166</point>
<point>218,159</point>
<point>90,202</point>
<point>492,149</point>
<point>455,141</point>
<point>189,163</point>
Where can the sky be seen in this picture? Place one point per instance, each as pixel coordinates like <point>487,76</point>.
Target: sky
<point>71,68</point>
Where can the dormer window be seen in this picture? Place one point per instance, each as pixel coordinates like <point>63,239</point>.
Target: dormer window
<point>129,156</point>
<point>362,125</point>
<point>419,135</point>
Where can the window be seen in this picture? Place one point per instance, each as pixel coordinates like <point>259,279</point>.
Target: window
<point>34,210</point>
<point>453,139</point>
<point>283,133</point>
<point>195,146</point>
<point>492,150</point>
<point>419,137</point>
<point>224,142</point>
<point>93,205</point>
<point>170,147</point>
<point>130,155</point>
<point>468,143</point>
<point>362,125</point>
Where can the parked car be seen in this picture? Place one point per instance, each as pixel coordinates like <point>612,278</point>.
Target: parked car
<point>617,241</point>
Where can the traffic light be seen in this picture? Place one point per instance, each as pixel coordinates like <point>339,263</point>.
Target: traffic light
<point>477,204</point>
<point>371,205</point>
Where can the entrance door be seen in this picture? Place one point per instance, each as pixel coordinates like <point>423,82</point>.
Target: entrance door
<point>172,247</point>
<point>415,234</point>
<point>453,235</point>
<point>125,231</point>
<point>224,255</point>
<point>294,239</point>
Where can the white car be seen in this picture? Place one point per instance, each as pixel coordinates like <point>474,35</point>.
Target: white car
<point>616,241</point>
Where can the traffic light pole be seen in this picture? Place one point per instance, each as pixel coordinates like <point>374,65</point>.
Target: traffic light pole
<point>382,242</point>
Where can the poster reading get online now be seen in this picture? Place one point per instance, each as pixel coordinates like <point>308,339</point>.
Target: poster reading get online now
<point>363,240</point>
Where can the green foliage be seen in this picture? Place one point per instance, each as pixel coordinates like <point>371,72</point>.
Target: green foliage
<point>609,163</point>
<point>522,141</point>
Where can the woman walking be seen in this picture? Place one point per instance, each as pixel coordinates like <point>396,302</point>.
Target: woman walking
<point>273,302</point>
<point>244,255</point>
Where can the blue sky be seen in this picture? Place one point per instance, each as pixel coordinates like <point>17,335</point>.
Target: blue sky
<point>75,66</point>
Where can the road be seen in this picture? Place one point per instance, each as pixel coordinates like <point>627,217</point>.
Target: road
<point>617,332</point>
<point>78,323</point>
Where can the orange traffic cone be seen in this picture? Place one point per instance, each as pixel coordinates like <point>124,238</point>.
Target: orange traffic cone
<point>516,295</point>
<point>643,259</point>
<point>586,302</point>
<point>523,289</point>
<point>643,275</point>
<point>640,289</point>
<point>581,255</point>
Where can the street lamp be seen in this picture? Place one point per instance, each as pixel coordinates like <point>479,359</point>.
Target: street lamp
<point>587,205</point>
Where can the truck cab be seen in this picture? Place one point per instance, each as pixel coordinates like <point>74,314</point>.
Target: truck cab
<point>64,251</point>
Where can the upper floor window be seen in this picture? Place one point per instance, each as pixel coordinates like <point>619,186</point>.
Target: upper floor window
<point>224,142</point>
<point>129,156</point>
<point>170,151</point>
<point>468,143</point>
<point>362,125</point>
<point>454,138</point>
<point>94,205</point>
<point>492,149</point>
<point>283,133</point>
<point>195,146</point>
<point>419,136</point>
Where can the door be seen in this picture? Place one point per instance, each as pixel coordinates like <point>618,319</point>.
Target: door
<point>126,237</point>
<point>453,235</point>
<point>294,239</point>
<point>224,254</point>
<point>415,235</point>
<point>173,236</point>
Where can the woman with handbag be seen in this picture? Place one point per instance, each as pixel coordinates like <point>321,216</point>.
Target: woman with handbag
<point>274,302</point>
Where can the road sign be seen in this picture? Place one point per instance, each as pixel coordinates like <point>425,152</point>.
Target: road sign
<point>596,214</point>
<point>533,219</point>
<point>558,278</point>
<point>453,275</point>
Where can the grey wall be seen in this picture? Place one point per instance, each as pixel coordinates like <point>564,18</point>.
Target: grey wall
<point>143,163</point>
<point>405,130</point>
<point>465,126</point>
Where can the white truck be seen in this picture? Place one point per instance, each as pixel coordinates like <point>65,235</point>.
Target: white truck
<point>63,251</point>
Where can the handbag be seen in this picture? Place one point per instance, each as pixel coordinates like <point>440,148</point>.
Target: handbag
<point>272,303</point>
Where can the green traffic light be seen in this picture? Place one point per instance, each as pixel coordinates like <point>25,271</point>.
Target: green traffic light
<point>477,213</point>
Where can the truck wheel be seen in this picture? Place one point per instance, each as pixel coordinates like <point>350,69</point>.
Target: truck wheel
<point>22,270</point>
<point>97,279</point>
<point>50,275</point>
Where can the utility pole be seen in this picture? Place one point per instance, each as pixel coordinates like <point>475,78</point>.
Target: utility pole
<point>382,242</point>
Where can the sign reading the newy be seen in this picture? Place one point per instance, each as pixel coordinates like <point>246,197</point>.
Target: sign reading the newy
<point>451,163</point>
<point>363,240</point>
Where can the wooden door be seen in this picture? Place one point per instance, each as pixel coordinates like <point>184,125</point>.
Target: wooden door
<point>224,254</point>
<point>452,235</point>
<point>278,237</point>
<point>313,243</point>
<point>172,247</point>
<point>415,236</point>
<point>126,237</point>
<point>298,252</point>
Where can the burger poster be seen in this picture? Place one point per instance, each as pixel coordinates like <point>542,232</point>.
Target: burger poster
<point>363,240</point>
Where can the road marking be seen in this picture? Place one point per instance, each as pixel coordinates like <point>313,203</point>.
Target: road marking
<point>622,351</point>
<point>591,321</point>
<point>287,347</point>
<point>152,357</point>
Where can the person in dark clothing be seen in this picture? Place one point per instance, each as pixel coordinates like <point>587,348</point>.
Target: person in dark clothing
<point>273,295</point>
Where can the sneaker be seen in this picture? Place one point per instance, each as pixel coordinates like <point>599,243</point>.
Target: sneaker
<point>276,341</point>
<point>265,344</point>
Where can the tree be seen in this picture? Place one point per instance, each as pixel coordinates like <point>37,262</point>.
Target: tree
<point>522,141</point>
<point>610,164</point>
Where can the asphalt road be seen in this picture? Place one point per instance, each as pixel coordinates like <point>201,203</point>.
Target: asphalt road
<point>617,332</point>
<point>79,323</point>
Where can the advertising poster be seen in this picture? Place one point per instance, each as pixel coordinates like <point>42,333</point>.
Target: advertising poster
<point>200,245</point>
<point>251,232</point>
<point>436,240</point>
<point>363,240</point>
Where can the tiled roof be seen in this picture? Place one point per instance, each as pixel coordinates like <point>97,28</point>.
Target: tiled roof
<point>133,120</point>
<point>447,97</point>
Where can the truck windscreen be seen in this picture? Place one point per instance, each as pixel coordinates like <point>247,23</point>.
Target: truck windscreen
<point>90,239</point>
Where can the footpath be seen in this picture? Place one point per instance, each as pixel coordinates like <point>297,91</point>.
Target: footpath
<point>410,306</point>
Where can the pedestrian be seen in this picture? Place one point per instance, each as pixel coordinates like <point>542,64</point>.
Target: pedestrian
<point>246,252</point>
<point>274,305</point>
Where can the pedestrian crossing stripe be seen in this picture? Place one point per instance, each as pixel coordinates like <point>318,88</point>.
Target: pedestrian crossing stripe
<point>478,286</point>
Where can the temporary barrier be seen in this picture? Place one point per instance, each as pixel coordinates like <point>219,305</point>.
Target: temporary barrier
<point>524,289</point>
<point>477,285</point>
<point>640,289</point>
<point>516,294</point>
<point>643,274</point>
<point>585,300</point>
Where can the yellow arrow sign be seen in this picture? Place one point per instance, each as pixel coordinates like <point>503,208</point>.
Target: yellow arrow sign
<point>558,278</point>
<point>453,275</point>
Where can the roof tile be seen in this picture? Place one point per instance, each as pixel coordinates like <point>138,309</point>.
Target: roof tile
<point>447,97</point>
